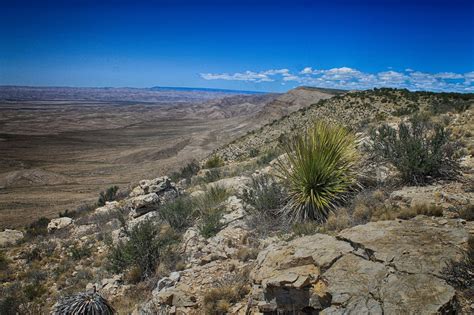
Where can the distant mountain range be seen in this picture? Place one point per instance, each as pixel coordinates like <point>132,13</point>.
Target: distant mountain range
<point>155,94</point>
<point>197,89</point>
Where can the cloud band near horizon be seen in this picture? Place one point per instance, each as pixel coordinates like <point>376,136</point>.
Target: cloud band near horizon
<point>353,79</point>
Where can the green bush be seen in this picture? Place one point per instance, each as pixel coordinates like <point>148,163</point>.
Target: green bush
<point>214,161</point>
<point>179,214</point>
<point>212,197</point>
<point>267,157</point>
<point>420,150</point>
<point>146,245</point>
<point>318,171</point>
<point>4,261</point>
<point>212,175</point>
<point>11,299</point>
<point>186,172</point>
<point>210,223</point>
<point>109,195</point>
<point>78,252</point>
<point>210,210</point>
<point>37,228</point>
<point>253,152</point>
<point>264,194</point>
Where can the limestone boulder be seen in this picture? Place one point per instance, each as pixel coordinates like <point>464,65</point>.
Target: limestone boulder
<point>9,237</point>
<point>59,223</point>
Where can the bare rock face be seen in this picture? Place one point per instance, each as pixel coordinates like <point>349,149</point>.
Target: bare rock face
<point>59,223</point>
<point>108,207</point>
<point>391,267</point>
<point>9,237</point>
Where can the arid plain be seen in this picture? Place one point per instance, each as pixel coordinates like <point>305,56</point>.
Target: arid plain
<point>60,150</point>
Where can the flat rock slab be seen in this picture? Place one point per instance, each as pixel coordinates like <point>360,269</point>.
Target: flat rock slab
<point>386,267</point>
<point>420,245</point>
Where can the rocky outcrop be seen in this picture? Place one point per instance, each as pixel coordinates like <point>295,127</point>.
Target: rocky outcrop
<point>150,194</point>
<point>390,267</point>
<point>9,237</point>
<point>59,223</point>
<point>148,186</point>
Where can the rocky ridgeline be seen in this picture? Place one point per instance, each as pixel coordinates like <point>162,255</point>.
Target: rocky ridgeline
<point>357,110</point>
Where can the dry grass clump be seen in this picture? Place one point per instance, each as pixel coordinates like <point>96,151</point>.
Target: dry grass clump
<point>338,220</point>
<point>418,209</point>
<point>467,213</point>
<point>214,161</point>
<point>227,292</point>
<point>307,228</point>
<point>460,273</point>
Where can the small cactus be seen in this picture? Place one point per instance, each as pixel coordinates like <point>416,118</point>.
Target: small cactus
<point>84,303</point>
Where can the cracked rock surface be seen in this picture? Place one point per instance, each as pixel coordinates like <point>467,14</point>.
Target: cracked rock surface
<point>390,267</point>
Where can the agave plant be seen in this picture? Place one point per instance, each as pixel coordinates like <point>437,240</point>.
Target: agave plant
<point>318,171</point>
<point>84,303</point>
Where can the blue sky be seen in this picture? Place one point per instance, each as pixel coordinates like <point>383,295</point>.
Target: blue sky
<point>249,45</point>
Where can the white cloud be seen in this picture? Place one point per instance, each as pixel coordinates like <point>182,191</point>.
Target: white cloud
<point>350,78</point>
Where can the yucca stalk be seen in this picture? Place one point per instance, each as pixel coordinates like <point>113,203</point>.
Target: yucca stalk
<point>84,303</point>
<point>318,171</point>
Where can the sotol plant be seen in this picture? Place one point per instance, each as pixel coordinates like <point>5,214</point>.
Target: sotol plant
<point>318,171</point>
<point>84,303</point>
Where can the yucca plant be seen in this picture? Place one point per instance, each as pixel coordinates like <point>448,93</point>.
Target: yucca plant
<point>84,303</point>
<point>318,171</point>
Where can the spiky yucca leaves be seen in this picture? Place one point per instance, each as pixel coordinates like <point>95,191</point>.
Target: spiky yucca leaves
<point>318,171</point>
<point>84,303</point>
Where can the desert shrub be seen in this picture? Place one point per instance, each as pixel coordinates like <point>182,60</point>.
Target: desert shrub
<point>467,213</point>
<point>264,194</point>
<point>459,273</point>
<point>147,243</point>
<point>187,171</point>
<point>212,175</point>
<point>338,220</point>
<point>253,152</point>
<point>419,150</point>
<point>37,228</point>
<point>32,255</point>
<point>179,214</point>
<point>4,261</point>
<point>307,228</point>
<point>267,157</point>
<point>11,299</point>
<point>212,197</point>
<point>318,171</point>
<point>84,303</point>
<point>109,195</point>
<point>228,291</point>
<point>214,161</point>
<point>79,251</point>
<point>210,221</point>
<point>210,210</point>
